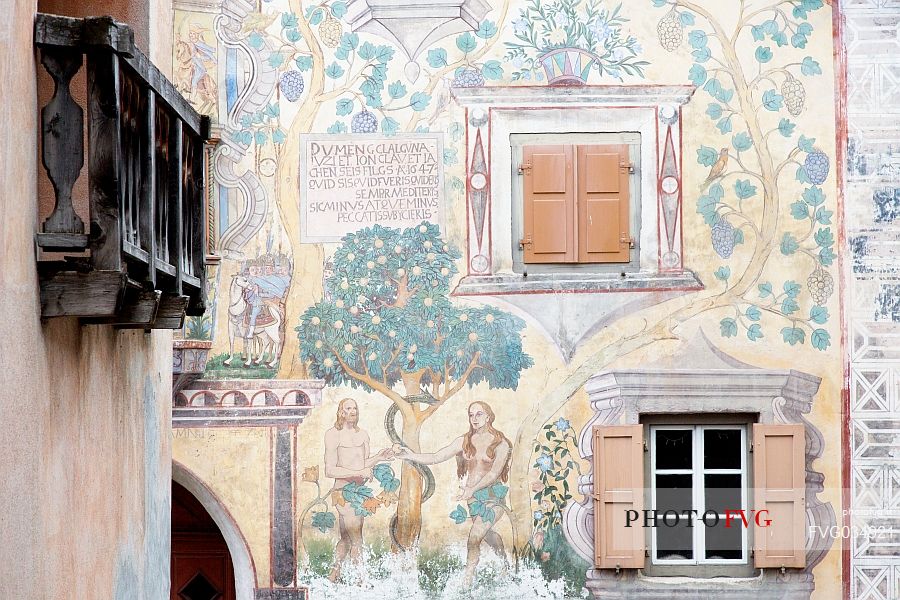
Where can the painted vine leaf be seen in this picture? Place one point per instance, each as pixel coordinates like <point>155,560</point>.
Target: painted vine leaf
<point>733,186</point>
<point>389,314</point>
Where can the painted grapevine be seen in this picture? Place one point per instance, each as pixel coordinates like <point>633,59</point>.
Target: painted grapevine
<point>741,200</point>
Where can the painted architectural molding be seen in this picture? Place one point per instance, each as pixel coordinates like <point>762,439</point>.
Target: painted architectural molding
<point>620,397</point>
<point>246,402</point>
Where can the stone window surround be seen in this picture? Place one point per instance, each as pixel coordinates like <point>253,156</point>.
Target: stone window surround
<point>776,396</point>
<point>493,113</point>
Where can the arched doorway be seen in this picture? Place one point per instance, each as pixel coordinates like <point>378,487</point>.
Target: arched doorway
<point>201,567</point>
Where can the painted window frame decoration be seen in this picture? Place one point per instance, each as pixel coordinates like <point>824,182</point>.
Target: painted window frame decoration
<point>494,113</point>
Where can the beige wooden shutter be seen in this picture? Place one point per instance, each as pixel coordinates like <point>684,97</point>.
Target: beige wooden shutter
<point>604,212</point>
<point>549,204</point>
<point>618,488</point>
<point>779,480</point>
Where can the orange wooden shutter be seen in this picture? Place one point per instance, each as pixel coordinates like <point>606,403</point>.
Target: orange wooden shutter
<point>779,480</point>
<point>549,204</point>
<point>618,488</point>
<point>604,214</point>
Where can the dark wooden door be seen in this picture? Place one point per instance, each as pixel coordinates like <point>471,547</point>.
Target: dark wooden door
<point>201,564</point>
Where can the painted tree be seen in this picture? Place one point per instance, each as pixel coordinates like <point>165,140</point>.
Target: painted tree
<point>388,326</point>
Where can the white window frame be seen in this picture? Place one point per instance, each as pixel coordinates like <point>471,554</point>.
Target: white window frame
<point>697,472</point>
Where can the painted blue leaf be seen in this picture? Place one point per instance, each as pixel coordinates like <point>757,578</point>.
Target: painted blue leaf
<point>806,144</point>
<point>342,53</point>
<point>707,156</point>
<point>339,9</point>
<point>728,327</point>
<point>723,273</point>
<point>366,51</point>
<point>798,40</point>
<point>793,335</point>
<point>741,141</point>
<point>754,332</point>
<point>697,75</point>
<point>687,18</point>
<point>397,90</point>
<point>820,339</point>
<point>391,486</point>
<point>780,38</point>
<point>791,288</point>
<point>818,314</point>
<point>758,33</point>
<point>419,101</point>
<point>724,95</point>
<point>486,29</point>
<point>786,128</point>
<point>724,125</point>
<point>753,313</point>
<point>697,39</point>
<point>827,256</point>
<point>744,189</point>
<point>789,306</point>
<point>337,127</point>
<point>701,55</point>
<point>389,126</point>
<point>770,26</point>
<point>714,111</point>
<point>492,69</point>
<point>459,514</point>
<point>293,35</point>
<point>814,195</point>
<point>713,87</point>
<point>801,175</point>
<point>466,42</point>
<point>810,67</point>
<point>706,206</point>
<point>823,216</point>
<point>789,244</point>
<point>799,210</point>
<point>373,100</point>
<point>717,191</point>
<point>304,63</point>
<point>738,236</point>
<point>382,472</point>
<point>384,53</point>
<point>450,157</point>
<point>279,136</point>
<point>763,54</point>
<point>772,100</point>
<point>824,237</point>
<point>317,17</point>
<point>323,520</point>
<point>350,41</point>
<point>255,40</point>
<point>804,28</point>
<point>288,20</point>
<point>437,57</point>
<point>799,12</point>
<point>261,138</point>
<point>765,289</point>
<point>334,70</point>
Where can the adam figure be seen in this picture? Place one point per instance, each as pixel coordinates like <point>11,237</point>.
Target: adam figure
<point>347,460</point>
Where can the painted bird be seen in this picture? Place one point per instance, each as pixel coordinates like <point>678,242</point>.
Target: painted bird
<point>718,167</point>
<point>257,21</point>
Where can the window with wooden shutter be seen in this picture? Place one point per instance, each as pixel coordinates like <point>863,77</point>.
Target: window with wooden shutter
<point>779,453</point>
<point>549,204</point>
<point>618,488</point>
<point>603,204</point>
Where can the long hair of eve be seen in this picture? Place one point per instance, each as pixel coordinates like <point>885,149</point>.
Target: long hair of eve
<point>468,451</point>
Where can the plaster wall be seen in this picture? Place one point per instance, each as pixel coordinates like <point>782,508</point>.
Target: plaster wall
<point>83,409</point>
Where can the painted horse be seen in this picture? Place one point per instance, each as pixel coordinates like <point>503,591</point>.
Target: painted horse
<point>266,335</point>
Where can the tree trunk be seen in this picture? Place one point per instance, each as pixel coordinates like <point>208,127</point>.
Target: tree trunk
<point>409,504</point>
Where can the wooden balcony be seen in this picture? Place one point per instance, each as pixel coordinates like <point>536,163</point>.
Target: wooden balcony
<point>140,261</point>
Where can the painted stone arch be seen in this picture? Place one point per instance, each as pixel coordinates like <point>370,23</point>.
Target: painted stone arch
<point>244,573</point>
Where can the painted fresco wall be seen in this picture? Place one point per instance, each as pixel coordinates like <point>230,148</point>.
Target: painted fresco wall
<point>872,174</point>
<point>337,283</point>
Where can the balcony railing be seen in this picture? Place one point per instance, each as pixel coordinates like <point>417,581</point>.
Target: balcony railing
<point>140,262</point>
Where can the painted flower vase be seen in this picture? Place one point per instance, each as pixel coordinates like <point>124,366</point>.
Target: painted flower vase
<point>567,66</point>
